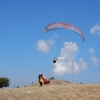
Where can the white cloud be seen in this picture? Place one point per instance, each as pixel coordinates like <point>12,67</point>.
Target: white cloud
<point>95,29</point>
<point>83,65</point>
<point>56,35</point>
<point>64,63</point>
<point>42,46</point>
<point>91,50</point>
<point>51,41</point>
<point>94,60</point>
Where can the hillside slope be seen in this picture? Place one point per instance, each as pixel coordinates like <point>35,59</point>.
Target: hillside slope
<point>56,90</point>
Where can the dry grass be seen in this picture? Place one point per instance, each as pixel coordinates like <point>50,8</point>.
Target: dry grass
<point>56,90</point>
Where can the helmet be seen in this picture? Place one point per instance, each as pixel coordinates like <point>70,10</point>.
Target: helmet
<point>40,73</point>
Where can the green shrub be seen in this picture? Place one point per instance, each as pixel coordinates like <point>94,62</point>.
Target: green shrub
<point>4,82</point>
<point>52,78</point>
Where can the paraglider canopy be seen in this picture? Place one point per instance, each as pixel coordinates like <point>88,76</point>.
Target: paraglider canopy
<point>59,25</point>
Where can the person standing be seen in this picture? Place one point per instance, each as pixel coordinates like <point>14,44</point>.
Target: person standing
<point>39,77</point>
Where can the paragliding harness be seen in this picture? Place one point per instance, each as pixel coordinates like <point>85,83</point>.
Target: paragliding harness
<point>43,80</point>
<point>54,60</point>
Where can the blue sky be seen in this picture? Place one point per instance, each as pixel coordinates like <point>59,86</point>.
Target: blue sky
<point>25,50</point>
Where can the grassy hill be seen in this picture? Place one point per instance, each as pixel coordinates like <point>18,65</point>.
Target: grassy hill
<point>56,90</point>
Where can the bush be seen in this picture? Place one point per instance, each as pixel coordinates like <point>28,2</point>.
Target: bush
<point>81,83</point>
<point>67,81</point>
<point>4,82</point>
<point>52,78</point>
